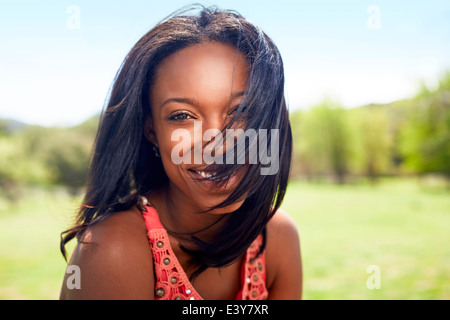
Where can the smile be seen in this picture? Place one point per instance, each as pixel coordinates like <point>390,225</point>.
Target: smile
<point>212,175</point>
<point>193,152</point>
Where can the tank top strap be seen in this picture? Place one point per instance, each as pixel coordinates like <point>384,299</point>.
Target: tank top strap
<point>173,283</point>
<point>253,273</point>
<point>151,218</point>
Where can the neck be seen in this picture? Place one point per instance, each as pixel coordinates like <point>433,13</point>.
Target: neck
<point>183,218</point>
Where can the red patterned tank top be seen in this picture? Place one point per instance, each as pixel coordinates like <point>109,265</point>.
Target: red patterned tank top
<point>172,282</point>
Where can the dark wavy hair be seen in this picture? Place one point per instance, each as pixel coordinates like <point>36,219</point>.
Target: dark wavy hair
<point>123,165</point>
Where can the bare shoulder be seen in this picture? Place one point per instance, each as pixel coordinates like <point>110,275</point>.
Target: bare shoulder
<point>282,232</point>
<point>114,259</point>
<point>283,223</point>
<point>283,258</point>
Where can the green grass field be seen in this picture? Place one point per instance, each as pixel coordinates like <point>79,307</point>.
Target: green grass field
<point>398,226</point>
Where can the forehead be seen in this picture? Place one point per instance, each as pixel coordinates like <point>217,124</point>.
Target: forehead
<point>206,71</point>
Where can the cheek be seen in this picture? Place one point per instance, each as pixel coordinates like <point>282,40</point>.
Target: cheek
<point>176,149</point>
<point>166,146</point>
<point>181,146</point>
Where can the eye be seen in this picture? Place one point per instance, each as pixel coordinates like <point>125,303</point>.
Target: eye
<point>233,110</point>
<point>180,116</point>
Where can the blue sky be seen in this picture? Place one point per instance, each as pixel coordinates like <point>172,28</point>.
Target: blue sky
<point>56,69</point>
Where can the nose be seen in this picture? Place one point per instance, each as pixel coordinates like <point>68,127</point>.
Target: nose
<point>215,121</point>
<point>213,138</point>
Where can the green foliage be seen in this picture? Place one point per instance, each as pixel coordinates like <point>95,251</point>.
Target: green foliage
<point>322,140</point>
<point>425,137</point>
<point>329,140</point>
<point>17,164</point>
<point>403,137</point>
<point>37,155</point>
<point>371,141</point>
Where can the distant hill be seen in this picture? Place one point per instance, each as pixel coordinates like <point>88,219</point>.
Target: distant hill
<point>11,126</point>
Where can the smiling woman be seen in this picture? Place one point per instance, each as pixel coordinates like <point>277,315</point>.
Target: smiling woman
<point>153,228</point>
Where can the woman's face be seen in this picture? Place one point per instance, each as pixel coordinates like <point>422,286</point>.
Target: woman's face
<point>196,87</point>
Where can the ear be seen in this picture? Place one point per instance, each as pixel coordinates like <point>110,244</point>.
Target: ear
<point>149,132</point>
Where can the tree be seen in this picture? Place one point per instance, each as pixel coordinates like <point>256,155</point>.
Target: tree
<point>371,141</point>
<point>425,140</point>
<point>324,141</point>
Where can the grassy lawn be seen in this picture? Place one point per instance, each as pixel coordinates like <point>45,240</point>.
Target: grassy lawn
<point>397,226</point>
<point>31,266</point>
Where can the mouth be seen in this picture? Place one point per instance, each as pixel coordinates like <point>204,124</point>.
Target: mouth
<point>208,180</point>
<point>212,176</point>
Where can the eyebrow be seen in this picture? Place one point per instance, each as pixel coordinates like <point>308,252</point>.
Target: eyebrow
<point>194,102</point>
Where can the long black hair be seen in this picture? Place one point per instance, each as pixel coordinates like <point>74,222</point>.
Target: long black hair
<point>124,166</point>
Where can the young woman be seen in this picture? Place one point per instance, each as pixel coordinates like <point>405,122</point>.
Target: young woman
<point>154,228</point>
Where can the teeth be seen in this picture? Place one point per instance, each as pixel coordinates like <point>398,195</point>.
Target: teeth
<point>208,175</point>
<point>204,174</point>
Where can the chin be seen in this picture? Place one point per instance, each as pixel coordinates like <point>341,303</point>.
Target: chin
<point>224,210</point>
